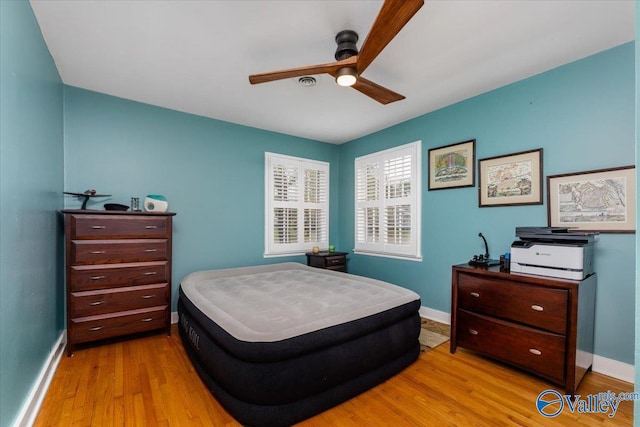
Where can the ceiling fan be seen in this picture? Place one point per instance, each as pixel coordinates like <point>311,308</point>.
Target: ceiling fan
<point>350,64</point>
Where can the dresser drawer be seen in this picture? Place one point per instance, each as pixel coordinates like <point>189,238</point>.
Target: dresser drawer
<point>118,227</point>
<point>537,306</point>
<point>118,251</point>
<point>92,328</point>
<point>335,261</point>
<point>91,303</point>
<point>538,351</point>
<point>88,277</point>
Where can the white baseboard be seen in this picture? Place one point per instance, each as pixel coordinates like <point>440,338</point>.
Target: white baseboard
<point>613,368</point>
<point>438,316</point>
<point>602,365</point>
<point>27,415</point>
<point>174,317</point>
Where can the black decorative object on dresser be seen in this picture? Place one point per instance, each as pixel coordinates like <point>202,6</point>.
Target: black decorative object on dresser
<point>336,261</point>
<point>118,274</point>
<point>543,325</point>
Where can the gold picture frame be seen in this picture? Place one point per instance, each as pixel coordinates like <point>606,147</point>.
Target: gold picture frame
<point>452,166</point>
<point>602,200</point>
<point>510,180</point>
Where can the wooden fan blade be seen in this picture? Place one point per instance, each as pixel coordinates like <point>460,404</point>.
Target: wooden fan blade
<point>377,92</point>
<point>330,68</point>
<point>393,15</point>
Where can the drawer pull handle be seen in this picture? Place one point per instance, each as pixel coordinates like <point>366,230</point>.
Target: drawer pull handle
<point>95,328</point>
<point>148,296</point>
<point>98,227</point>
<point>151,250</point>
<point>473,332</point>
<point>537,307</point>
<point>98,252</point>
<point>97,277</point>
<point>96,303</point>
<point>150,227</point>
<point>150,273</point>
<point>535,351</point>
<point>148,319</point>
<point>475,294</point>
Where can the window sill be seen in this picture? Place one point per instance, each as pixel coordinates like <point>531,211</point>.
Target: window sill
<point>389,255</point>
<point>281,255</point>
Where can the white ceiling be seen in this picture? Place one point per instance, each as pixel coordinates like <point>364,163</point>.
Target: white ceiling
<point>195,56</point>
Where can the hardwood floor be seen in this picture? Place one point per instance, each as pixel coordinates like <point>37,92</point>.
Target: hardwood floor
<point>149,381</point>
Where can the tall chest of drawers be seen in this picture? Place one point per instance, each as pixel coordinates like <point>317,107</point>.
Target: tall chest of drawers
<point>541,324</point>
<point>118,274</point>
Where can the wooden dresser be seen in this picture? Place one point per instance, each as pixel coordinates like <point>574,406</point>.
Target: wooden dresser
<point>118,272</point>
<point>541,324</point>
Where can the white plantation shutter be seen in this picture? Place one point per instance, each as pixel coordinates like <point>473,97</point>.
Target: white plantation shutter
<point>285,198</point>
<point>296,204</point>
<point>368,206</point>
<point>388,202</point>
<point>397,193</point>
<point>316,203</point>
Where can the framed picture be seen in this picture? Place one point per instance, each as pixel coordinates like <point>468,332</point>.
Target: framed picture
<point>599,200</point>
<point>511,180</point>
<point>452,166</point>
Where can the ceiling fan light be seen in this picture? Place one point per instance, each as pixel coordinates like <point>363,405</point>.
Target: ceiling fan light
<point>346,76</point>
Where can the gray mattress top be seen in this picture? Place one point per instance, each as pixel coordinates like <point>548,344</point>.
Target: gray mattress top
<point>279,301</point>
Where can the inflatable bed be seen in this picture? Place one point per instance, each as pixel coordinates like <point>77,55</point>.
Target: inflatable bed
<point>277,344</point>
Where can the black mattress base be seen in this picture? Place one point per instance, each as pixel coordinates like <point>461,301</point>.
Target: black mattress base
<point>290,380</point>
<point>287,414</point>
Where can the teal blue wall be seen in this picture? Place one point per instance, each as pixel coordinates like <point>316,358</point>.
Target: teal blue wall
<point>31,185</point>
<point>211,172</point>
<point>582,115</point>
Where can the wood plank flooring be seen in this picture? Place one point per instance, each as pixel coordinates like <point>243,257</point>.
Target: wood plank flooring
<point>149,381</point>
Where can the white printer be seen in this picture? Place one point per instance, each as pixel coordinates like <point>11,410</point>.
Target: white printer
<point>553,251</point>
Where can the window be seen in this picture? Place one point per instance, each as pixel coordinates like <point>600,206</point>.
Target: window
<point>296,204</point>
<point>388,200</point>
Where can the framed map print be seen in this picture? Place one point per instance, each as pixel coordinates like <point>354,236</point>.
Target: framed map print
<point>452,166</point>
<point>599,200</point>
<point>514,179</point>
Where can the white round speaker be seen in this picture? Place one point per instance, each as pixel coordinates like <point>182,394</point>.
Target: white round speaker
<point>155,203</point>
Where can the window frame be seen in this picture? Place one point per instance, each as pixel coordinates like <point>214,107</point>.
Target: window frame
<point>409,251</point>
<point>271,248</point>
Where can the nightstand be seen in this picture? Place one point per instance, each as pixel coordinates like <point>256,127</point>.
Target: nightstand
<point>336,261</point>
